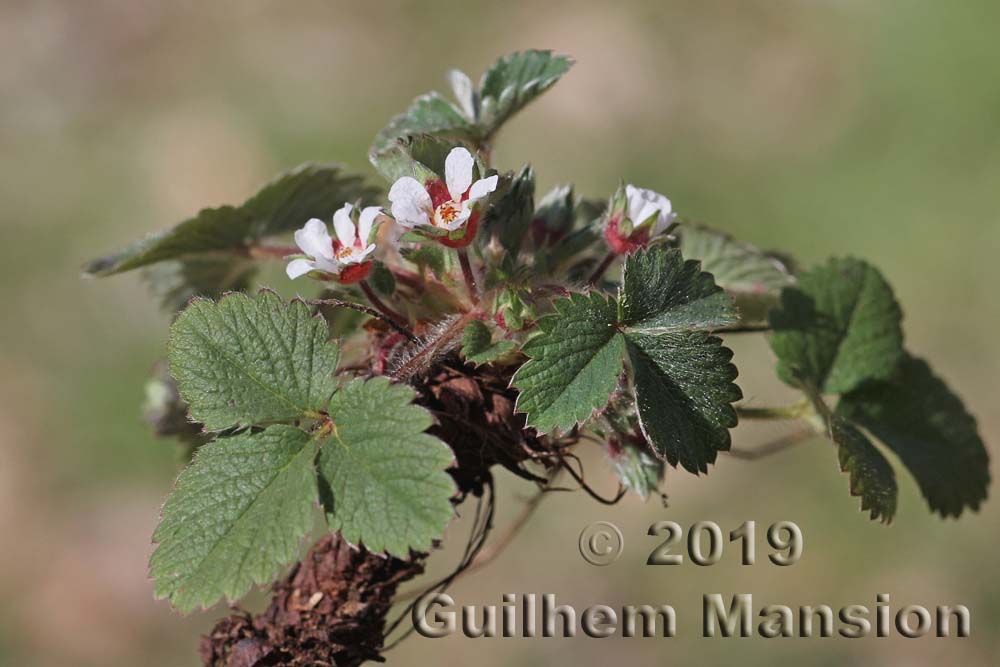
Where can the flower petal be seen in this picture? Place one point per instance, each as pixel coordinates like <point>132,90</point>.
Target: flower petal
<point>344,226</point>
<point>314,239</point>
<point>299,267</point>
<point>483,187</point>
<point>459,219</point>
<point>367,251</point>
<point>366,220</point>
<point>458,172</point>
<point>411,205</point>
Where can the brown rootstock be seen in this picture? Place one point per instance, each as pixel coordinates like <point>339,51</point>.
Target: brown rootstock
<point>329,610</point>
<point>473,408</point>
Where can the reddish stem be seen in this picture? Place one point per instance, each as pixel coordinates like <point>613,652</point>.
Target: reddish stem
<point>381,305</point>
<point>470,277</point>
<point>601,268</point>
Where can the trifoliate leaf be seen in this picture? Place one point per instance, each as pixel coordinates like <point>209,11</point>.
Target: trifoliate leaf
<point>310,191</point>
<point>839,326</point>
<point>636,467</point>
<point>872,477</point>
<point>382,479</point>
<point>247,360</point>
<point>478,345</point>
<point>511,211</point>
<point>237,515</point>
<point>574,364</point>
<point>514,81</point>
<point>919,418</point>
<point>429,114</point>
<point>753,278</point>
<point>683,376</point>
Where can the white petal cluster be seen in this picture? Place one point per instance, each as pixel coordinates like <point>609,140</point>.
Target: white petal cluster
<point>331,256</point>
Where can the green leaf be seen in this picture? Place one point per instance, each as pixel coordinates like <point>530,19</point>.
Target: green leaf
<point>514,81</point>
<point>176,282</point>
<point>753,278</point>
<point>919,418</point>
<point>871,475</point>
<point>511,211</point>
<point>434,256</point>
<point>663,291</point>
<point>382,479</point>
<point>837,328</point>
<point>247,360</point>
<point>237,515</point>
<point>429,114</point>
<point>684,390</point>
<point>683,376</point>
<point>636,467</point>
<point>574,364</point>
<point>420,156</point>
<point>382,279</point>
<point>309,191</point>
<point>478,346</point>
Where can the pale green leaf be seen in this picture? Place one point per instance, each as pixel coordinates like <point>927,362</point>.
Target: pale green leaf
<point>237,516</point>
<point>251,359</point>
<point>838,327</point>
<point>382,479</point>
<point>514,81</point>
<point>753,278</point>
<point>636,467</point>
<point>429,114</point>
<point>919,418</point>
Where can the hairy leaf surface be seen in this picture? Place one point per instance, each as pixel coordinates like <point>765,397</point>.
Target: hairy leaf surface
<point>236,517</point>
<point>251,359</point>
<point>382,479</point>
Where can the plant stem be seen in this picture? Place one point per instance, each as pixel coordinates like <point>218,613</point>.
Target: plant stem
<point>378,303</point>
<point>793,411</point>
<point>773,447</point>
<point>339,303</point>
<point>470,277</point>
<point>601,268</point>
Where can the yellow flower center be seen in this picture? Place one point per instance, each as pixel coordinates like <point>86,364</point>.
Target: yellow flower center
<point>446,213</point>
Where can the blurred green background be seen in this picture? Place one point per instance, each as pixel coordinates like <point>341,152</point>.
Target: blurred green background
<point>821,127</point>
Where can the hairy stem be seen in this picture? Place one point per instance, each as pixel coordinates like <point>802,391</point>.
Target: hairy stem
<point>378,303</point>
<point>338,303</point>
<point>467,273</point>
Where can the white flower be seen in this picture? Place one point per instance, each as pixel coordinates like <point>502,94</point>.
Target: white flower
<point>414,205</point>
<point>331,256</point>
<point>644,204</point>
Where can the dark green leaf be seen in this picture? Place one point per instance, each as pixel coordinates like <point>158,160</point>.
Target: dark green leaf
<point>310,191</point>
<point>662,291</point>
<point>237,515</point>
<point>247,360</point>
<point>574,364</point>
<point>382,479</point>
<point>478,346</point>
<point>511,210</point>
<point>513,82</point>
<point>872,477</point>
<point>837,328</point>
<point>382,280</point>
<point>683,376</point>
<point>919,418</point>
